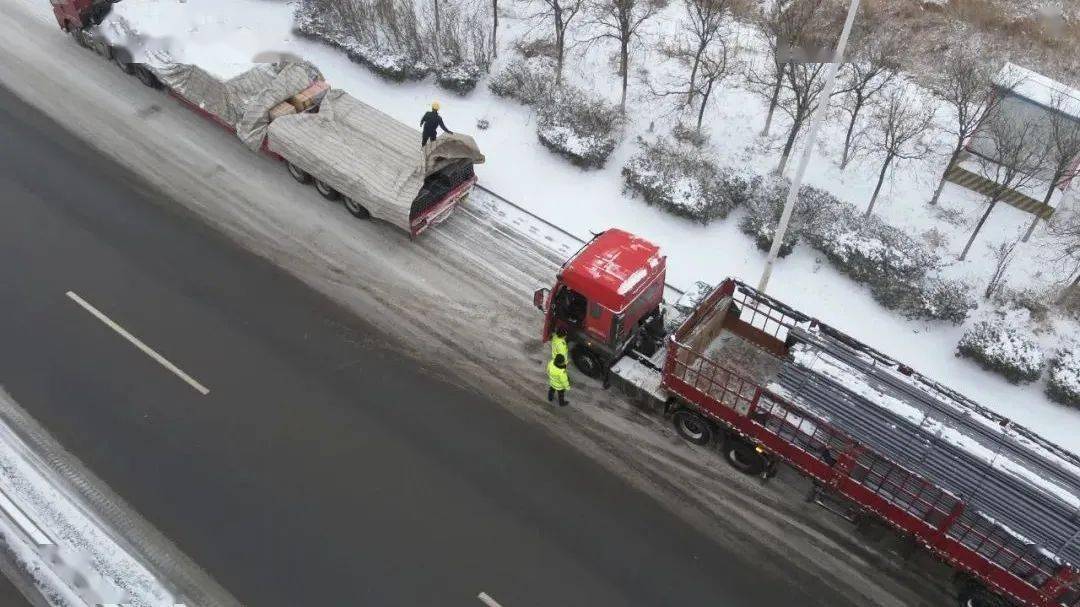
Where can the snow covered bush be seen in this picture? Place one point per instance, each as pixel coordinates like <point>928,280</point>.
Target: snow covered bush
<point>1063,382</point>
<point>765,201</point>
<point>579,126</point>
<point>382,35</point>
<point>1004,345</point>
<point>461,78</point>
<point>931,298</point>
<point>870,250</point>
<point>527,80</point>
<point>682,181</point>
<point>396,39</point>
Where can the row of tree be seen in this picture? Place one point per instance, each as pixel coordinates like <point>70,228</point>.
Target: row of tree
<point>884,116</point>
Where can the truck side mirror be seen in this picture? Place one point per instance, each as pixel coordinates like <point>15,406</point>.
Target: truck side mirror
<point>539,296</point>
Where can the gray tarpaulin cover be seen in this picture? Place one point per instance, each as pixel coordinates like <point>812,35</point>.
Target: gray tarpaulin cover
<point>243,101</point>
<point>365,154</point>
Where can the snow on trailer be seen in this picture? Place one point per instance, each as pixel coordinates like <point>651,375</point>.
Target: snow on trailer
<point>987,495</point>
<point>377,162</point>
<point>242,103</point>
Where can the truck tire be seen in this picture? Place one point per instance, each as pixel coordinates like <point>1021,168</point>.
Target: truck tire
<point>587,362</point>
<point>326,191</point>
<point>80,37</point>
<point>146,77</point>
<point>298,173</point>
<point>356,209</point>
<point>978,596</point>
<point>122,58</point>
<point>693,427</point>
<point>744,457</point>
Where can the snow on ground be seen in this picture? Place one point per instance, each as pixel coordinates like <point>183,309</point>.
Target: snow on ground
<point>225,36</point>
<point>71,556</point>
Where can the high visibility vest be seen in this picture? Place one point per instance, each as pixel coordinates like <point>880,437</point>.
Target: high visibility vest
<point>557,378</point>
<point>558,346</point>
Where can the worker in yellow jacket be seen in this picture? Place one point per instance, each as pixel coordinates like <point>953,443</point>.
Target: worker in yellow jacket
<point>558,344</point>
<point>558,380</point>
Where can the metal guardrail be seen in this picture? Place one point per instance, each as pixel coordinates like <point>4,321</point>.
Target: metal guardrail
<point>581,241</point>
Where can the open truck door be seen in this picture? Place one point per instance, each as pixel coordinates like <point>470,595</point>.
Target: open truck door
<point>541,299</point>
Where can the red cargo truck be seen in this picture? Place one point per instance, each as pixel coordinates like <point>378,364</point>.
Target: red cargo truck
<point>768,385</point>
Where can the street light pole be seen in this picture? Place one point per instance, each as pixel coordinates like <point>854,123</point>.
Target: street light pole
<point>815,126</point>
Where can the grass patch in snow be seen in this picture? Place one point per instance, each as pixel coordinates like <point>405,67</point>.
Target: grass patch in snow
<point>1004,345</point>
<point>683,181</point>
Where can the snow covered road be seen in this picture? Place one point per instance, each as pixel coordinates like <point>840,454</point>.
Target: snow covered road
<point>446,295</point>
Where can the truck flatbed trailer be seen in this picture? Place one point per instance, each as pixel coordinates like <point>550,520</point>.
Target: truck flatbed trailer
<point>987,496</point>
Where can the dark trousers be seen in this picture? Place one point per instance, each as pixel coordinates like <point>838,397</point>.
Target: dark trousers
<point>426,138</point>
<point>562,396</point>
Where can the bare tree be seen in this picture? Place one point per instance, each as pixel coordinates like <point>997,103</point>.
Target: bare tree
<point>804,83</point>
<point>1064,153</point>
<point>1064,231</point>
<point>438,33</point>
<point>560,13</point>
<point>621,20</point>
<point>786,27</point>
<point>1013,158</point>
<point>875,65</point>
<point>714,67</point>
<point>704,24</point>
<point>967,85</point>
<point>1003,257</point>
<point>494,28</point>
<point>702,70</point>
<point>900,123</point>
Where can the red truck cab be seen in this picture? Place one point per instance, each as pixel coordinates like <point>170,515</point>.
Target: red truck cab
<point>74,15</point>
<point>603,297</point>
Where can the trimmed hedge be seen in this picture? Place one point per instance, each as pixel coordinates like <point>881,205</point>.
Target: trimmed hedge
<point>579,126</point>
<point>527,80</point>
<point>1063,380</point>
<point>682,181</point>
<point>1005,346</point>
<point>765,200</point>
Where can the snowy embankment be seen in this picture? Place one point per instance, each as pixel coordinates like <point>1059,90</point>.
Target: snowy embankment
<point>226,37</point>
<point>71,556</point>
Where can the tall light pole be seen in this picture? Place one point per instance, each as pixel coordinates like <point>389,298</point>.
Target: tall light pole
<point>815,126</point>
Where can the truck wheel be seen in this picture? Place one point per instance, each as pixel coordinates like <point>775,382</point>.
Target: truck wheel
<point>146,77</point>
<point>356,209</point>
<point>587,362</point>
<point>326,191</point>
<point>298,173</point>
<point>122,58</point>
<point>692,427</point>
<point>977,596</point>
<point>744,457</point>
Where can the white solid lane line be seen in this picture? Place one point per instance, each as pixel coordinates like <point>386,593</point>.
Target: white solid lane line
<point>28,526</point>
<point>487,600</point>
<point>164,362</point>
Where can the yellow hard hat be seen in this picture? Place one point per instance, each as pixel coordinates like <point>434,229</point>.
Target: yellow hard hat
<point>435,105</point>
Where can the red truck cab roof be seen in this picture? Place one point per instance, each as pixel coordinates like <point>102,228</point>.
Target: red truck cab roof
<point>614,269</point>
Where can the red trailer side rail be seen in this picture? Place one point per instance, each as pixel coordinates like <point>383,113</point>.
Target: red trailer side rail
<point>910,503</point>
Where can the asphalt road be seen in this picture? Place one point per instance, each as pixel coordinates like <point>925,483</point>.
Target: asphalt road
<point>322,467</point>
<point>10,595</point>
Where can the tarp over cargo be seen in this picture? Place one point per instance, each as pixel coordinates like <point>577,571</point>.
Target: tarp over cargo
<point>365,154</point>
<point>244,101</point>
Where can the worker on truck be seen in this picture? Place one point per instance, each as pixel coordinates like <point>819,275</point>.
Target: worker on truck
<point>432,122</point>
<point>558,380</point>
